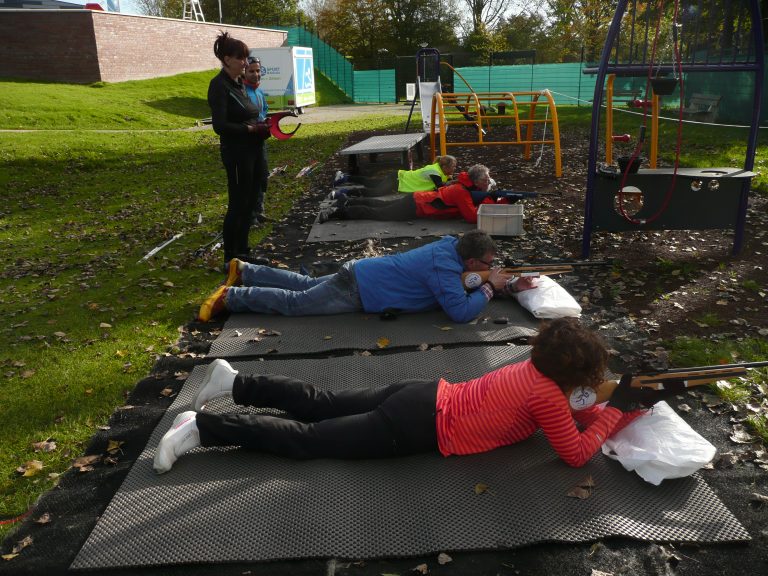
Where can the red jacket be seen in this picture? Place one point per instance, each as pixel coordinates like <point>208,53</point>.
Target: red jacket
<point>509,404</point>
<point>449,202</point>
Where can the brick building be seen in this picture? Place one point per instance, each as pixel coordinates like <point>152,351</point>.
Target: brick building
<point>84,46</point>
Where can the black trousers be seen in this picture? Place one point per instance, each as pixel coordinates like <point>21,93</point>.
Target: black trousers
<point>394,420</point>
<point>401,208</point>
<point>375,186</point>
<point>244,191</point>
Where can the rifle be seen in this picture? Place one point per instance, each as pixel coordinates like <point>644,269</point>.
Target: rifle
<point>511,196</point>
<point>472,280</point>
<point>582,397</point>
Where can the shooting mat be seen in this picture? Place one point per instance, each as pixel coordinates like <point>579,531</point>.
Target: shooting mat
<point>229,505</point>
<point>340,230</point>
<point>258,334</point>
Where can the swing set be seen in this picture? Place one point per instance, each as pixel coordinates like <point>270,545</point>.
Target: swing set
<point>706,36</point>
<point>446,109</point>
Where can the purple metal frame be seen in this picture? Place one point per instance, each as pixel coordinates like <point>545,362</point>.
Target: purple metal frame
<point>605,67</point>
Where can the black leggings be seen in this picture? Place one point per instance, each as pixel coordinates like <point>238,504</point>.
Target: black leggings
<point>374,186</point>
<point>394,420</point>
<point>401,208</point>
<point>243,185</point>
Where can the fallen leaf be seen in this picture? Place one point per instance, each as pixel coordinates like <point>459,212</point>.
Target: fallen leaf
<point>421,569</point>
<point>60,334</point>
<point>445,328</point>
<point>21,544</point>
<point>44,519</point>
<point>327,337</point>
<point>166,392</point>
<point>7,557</point>
<point>382,342</point>
<point>27,373</point>
<point>579,492</point>
<point>423,347</point>
<point>740,435</point>
<point>168,284</point>
<point>114,446</point>
<point>86,461</point>
<point>44,446</point>
<point>31,468</point>
<point>105,325</point>
<point>481,488</point>
<point>443,558</point>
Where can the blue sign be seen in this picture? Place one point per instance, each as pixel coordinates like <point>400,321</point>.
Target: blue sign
<point>304,75</point>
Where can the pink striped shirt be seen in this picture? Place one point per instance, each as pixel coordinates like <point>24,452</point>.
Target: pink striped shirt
<point>509,404</point>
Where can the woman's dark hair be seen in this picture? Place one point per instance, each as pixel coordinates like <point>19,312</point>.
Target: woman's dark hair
<point>475,244</point>
<point>569,354</point>
<point>225,45</point>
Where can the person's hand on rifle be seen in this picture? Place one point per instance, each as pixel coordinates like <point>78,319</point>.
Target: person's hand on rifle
<point>627,398</point>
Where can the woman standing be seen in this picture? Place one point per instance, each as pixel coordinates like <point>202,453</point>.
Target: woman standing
<point>234,118</point>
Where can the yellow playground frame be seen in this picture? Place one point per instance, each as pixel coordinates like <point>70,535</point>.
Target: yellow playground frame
<point>654,152</point>
<point>467,109</point>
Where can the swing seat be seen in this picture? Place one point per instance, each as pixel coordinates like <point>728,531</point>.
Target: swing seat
<point>703,107</point>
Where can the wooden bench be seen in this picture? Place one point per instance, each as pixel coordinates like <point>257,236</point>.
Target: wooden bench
<point>702,107</point>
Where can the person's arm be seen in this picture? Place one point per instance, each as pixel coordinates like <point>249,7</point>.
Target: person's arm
<point>460,197</point>
<point>218,95</point>
<point>575,448</point>
<point>436,180</point>
<point>444,279</point>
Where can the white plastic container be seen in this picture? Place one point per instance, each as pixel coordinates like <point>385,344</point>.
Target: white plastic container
<point>500,219</point>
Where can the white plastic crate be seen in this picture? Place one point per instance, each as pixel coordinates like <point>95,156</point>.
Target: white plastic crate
<point>500,219</point>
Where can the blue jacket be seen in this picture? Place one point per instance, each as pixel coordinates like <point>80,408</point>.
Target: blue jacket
<point>259,100</point>
<point>425,278</point>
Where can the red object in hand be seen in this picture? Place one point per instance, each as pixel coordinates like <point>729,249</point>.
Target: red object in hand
<point>621,138</point>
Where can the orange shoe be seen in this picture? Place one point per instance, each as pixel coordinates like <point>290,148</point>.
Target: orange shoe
<point>214,305</point>
<point>234,276</point>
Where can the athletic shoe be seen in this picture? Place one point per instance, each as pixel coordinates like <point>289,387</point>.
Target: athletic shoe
<point>218,381</point>
<point>214,305</point>
<point>340,178</point>
<point>234,273</point>
<point>181,438</point>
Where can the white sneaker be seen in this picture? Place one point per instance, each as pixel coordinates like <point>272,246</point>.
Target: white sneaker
<point>218,382</point>
<point>181,438</point>
<point>339,178</point>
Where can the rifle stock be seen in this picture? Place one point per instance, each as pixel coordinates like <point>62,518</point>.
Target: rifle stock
<point>472,280</point>
<point>583,397</point>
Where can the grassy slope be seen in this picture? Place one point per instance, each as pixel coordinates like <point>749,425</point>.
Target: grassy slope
<point>80,210</point>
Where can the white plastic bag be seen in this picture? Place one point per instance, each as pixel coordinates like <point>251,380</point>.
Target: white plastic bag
<point>659,445</point>
<point>548,300</point>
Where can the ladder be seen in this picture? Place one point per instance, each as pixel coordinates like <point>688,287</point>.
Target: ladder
<point>193,11</point>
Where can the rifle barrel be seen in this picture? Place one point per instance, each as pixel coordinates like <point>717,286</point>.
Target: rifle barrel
<point>700,368</point>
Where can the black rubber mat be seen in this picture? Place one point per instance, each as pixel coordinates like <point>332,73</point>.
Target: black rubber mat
<point>230,505</point>
<point>340,230</point>
<point>261,334</point>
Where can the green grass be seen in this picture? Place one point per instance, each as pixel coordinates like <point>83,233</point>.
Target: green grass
<point>79,210</point>
<point>752,388</point>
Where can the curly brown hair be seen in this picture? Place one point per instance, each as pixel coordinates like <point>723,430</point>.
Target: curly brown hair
<point>569,354</point>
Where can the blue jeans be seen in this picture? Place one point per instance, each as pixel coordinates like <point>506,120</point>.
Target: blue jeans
<point>269,290</point>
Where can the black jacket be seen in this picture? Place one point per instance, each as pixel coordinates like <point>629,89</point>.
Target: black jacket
<point>231,110</point>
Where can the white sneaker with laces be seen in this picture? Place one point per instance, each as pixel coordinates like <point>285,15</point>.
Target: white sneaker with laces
<point>181,438</point>
<point>218,381</point>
